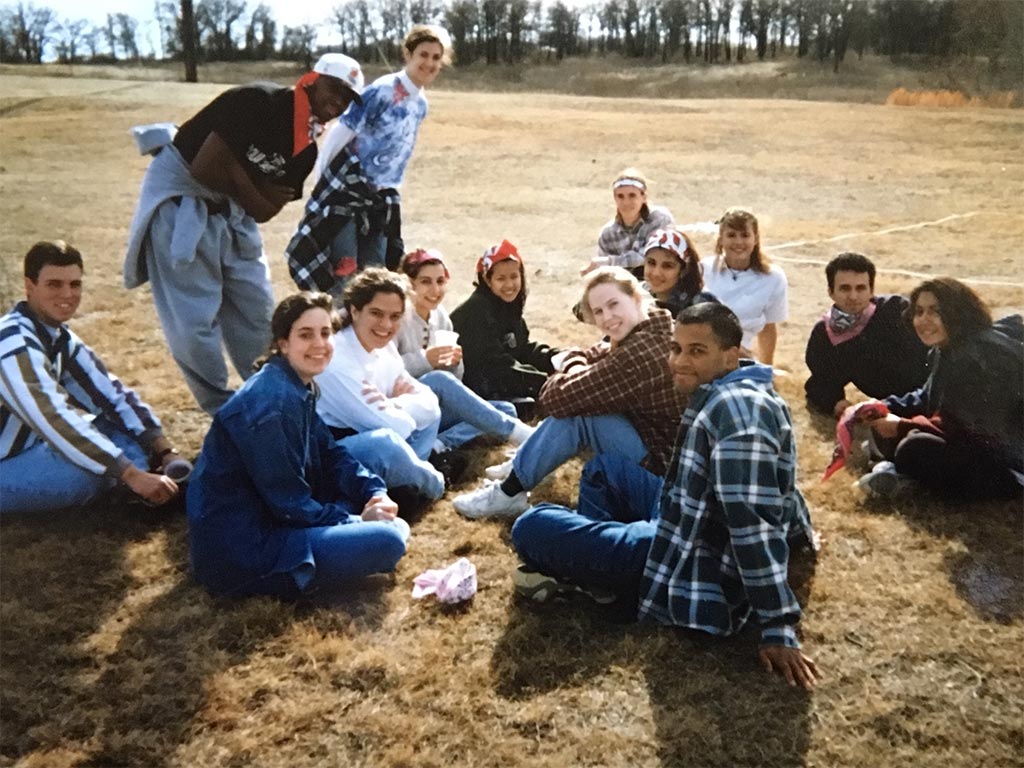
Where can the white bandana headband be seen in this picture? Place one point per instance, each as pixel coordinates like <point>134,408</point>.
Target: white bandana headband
<point>630,183</point>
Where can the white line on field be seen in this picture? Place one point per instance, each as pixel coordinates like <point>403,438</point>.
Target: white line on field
<point>886,231</point>
<point>710,227</point>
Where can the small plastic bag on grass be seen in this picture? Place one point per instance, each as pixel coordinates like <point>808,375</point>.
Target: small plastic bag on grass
<point>450,585</point>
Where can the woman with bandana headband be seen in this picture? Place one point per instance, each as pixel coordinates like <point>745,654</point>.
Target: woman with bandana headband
<point>673,274</point>
<point>501,361</point>
<point>622,239</point>
<point>437,363</point>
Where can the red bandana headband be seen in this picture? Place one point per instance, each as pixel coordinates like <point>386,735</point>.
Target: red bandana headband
<point>670,240</point>
<point>497,253</point>
<point>421,255</point>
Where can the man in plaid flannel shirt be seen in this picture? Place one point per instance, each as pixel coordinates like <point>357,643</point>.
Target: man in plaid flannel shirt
<point>709,548</point>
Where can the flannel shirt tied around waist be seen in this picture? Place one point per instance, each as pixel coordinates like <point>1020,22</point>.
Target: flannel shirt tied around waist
<point>342,194</point>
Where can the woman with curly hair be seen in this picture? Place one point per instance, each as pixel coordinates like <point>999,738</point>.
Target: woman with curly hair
<point>962,432</point>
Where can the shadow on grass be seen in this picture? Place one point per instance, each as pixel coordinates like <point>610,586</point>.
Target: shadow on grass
<point>62,575</point>
<point>110,668</point>
<point>711,703</point>
<point>989,573</point>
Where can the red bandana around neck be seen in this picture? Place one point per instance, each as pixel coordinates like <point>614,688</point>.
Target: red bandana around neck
<point>305,126</point>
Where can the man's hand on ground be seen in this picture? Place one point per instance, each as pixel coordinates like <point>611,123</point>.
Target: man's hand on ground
<point>790,663</point>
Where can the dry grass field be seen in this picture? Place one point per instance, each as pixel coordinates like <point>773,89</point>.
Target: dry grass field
<point>111,656</point>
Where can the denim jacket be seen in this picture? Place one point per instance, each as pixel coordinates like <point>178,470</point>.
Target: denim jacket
<point>269,470</point>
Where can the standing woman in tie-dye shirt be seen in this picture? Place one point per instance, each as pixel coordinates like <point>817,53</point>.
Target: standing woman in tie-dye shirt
<point>381,133</point>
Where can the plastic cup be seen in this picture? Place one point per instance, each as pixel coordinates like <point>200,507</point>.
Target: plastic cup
<point>446,338</point>
<point>178,470</point>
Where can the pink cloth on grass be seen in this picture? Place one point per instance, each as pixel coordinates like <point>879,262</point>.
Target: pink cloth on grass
<point>453,584</point>
<point>844,432</point>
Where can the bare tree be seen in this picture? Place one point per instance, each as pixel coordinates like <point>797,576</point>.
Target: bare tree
<point>297,44</point>
<point>188,32</point>
<point>355,21</point>
<point>260,33</point>
<point>127,28</point>
<point>215,20</point>
<point>563,29</point>
<point>69,37</point>
<point>460,18</point>
<point>518,26</point>
<point>492,21</point>
<point>26,32</point>
<point>675,22</point>
<point>611,22</point>
<point>425,11</point>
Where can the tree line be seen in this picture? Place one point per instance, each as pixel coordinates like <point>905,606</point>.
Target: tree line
<point>512,31</point>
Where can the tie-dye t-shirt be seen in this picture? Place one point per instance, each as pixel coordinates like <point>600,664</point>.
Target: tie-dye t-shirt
<point>386,125</point>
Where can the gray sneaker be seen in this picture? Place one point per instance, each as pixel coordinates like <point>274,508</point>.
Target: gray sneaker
<point>884,482</point>
<point>540,588</point>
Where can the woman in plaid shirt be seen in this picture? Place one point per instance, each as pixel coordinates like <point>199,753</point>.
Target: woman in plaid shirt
<point>621,242</point>
<point>615,397</point>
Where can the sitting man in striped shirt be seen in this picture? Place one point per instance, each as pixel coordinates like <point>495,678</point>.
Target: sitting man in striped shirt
<point>708,548</point>
<point>69,430</point>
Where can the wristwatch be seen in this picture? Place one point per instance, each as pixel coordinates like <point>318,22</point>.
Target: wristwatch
<point>159,457</point>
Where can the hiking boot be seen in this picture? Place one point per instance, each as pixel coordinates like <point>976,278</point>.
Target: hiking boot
<point>451,464</point>
<point>540,588</point>
<point>491,501</point>
<point>884,482</point>
<point>501,471</point>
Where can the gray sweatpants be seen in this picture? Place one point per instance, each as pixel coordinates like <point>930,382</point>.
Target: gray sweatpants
<point>216,298</point>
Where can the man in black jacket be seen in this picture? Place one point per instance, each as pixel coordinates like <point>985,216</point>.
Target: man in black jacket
<point>862,340</point>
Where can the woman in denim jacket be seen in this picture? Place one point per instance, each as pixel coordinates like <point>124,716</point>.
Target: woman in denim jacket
<point>275,507</point>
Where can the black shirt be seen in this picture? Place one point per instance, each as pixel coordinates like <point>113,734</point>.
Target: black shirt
<point>256,122</point>
<point>886,358</point>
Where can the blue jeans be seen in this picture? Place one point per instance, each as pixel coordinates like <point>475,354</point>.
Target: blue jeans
<point>558,440</point>
<point>464,414</point>
<point>341,554</point>
<point>40,479</point>
<point>368,250</point>
<point>605,542</point>
<point>397,462</point>
<point>218,299</point>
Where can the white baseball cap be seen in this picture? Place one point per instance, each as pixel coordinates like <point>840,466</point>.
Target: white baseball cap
<point>344,68</point>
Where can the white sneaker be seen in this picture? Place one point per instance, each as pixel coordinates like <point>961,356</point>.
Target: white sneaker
<point>491,501</point>
<point>520,432</point>
<point>500,471</point>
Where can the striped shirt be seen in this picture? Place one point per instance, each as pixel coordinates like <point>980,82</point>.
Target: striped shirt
<point>729,513</point>
<point>48,378</point>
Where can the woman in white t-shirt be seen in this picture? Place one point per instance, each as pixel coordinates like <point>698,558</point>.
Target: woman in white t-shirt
<point>743,279</point>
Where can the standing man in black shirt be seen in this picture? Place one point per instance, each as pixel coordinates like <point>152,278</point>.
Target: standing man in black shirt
<point>194,234</point>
